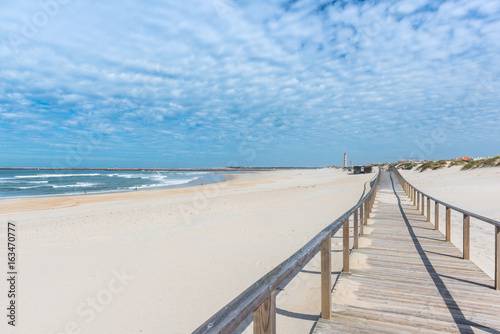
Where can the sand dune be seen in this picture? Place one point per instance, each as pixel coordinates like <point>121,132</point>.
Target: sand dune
<point>166,260</point>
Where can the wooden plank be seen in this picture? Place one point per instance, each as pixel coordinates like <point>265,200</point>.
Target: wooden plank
<point>341,326</point>
<point>264,318</point>
<point>326,278</point>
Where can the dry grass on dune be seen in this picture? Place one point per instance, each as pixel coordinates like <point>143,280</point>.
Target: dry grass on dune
<point>433,165</point>
<point>489,162</point>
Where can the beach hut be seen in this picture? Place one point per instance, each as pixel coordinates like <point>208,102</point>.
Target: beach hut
<point>362,169</point>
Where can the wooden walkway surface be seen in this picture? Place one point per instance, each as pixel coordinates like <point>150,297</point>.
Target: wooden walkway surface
<point>413,281</point>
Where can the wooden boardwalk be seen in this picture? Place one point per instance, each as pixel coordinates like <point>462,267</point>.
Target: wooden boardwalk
<point>413,281</point>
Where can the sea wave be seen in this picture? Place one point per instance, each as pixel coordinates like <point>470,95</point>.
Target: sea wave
<point>126,176</point>
<point>77,185</point>
<point>39,176</point>
<point>24,188</point>
<point>163,184</point>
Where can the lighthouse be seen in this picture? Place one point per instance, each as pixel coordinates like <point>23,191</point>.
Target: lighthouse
<point>345,159</point>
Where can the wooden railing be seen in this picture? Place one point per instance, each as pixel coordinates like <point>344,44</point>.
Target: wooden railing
<point>260,298</point>
<point>418,198</point>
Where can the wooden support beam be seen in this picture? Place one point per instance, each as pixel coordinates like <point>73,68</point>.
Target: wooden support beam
<point>497,257</point>
<point>365,219</point>
<point>466,237</point>
<point>428,209</point>
<point>356,232</point>
<point>448,224</point>
<point>436,216</point>
<point>264,317</point>
<point>368,206</point>
<point>345,242</point>
<point>422,207</point>
<point>361,220</point>
<point>326,277</point>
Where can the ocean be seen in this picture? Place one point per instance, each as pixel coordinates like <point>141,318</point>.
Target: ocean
<point>38,183</point>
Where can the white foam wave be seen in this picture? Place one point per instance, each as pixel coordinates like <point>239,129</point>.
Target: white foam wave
<point>77,185</point>
<point>164,184</point>
<point>39,176</point>
<point>127,176</point>
<point>32,187</point>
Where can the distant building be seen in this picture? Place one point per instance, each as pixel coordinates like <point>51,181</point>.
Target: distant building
<point>463,158</point>
<point>362,169</point>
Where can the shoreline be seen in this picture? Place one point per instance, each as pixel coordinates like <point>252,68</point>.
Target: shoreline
<point>49,202</point>
<point>199,181</point>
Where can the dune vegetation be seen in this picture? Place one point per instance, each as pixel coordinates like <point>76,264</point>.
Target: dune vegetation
<point>433,165</point>
<point>489,162</point>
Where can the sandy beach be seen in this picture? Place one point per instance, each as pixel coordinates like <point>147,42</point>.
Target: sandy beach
<point>475,190</point>
<point>166,260</point>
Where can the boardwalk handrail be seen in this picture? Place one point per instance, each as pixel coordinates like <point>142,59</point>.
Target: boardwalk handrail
<point>260,297</point>
<point>417,196</point>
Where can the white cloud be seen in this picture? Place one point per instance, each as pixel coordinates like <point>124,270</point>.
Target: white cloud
<point>219,69</point>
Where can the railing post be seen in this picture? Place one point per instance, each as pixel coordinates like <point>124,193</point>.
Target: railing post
<point>326,277</point>
<point>418,201</point>
<point>264,317</point>
<point>356,236</point>
<point>422,207</point>
<point>374,194</point>
<point>436,216</point>
<point>365,217</point>
<point>497,257</point>
<point>345,242</point>
<point>466,237</point>
<point>361,220</point>
<point>448,224</point>
<point>368,201</point>
<point>428,209</point>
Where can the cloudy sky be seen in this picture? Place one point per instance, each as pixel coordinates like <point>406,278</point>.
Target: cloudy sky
<point>251,83</point>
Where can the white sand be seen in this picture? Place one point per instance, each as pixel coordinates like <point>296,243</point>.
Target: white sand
<point>476,190</point>
<point>166,260</point>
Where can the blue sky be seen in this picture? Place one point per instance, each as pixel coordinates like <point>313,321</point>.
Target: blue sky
<point>250,83</point>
